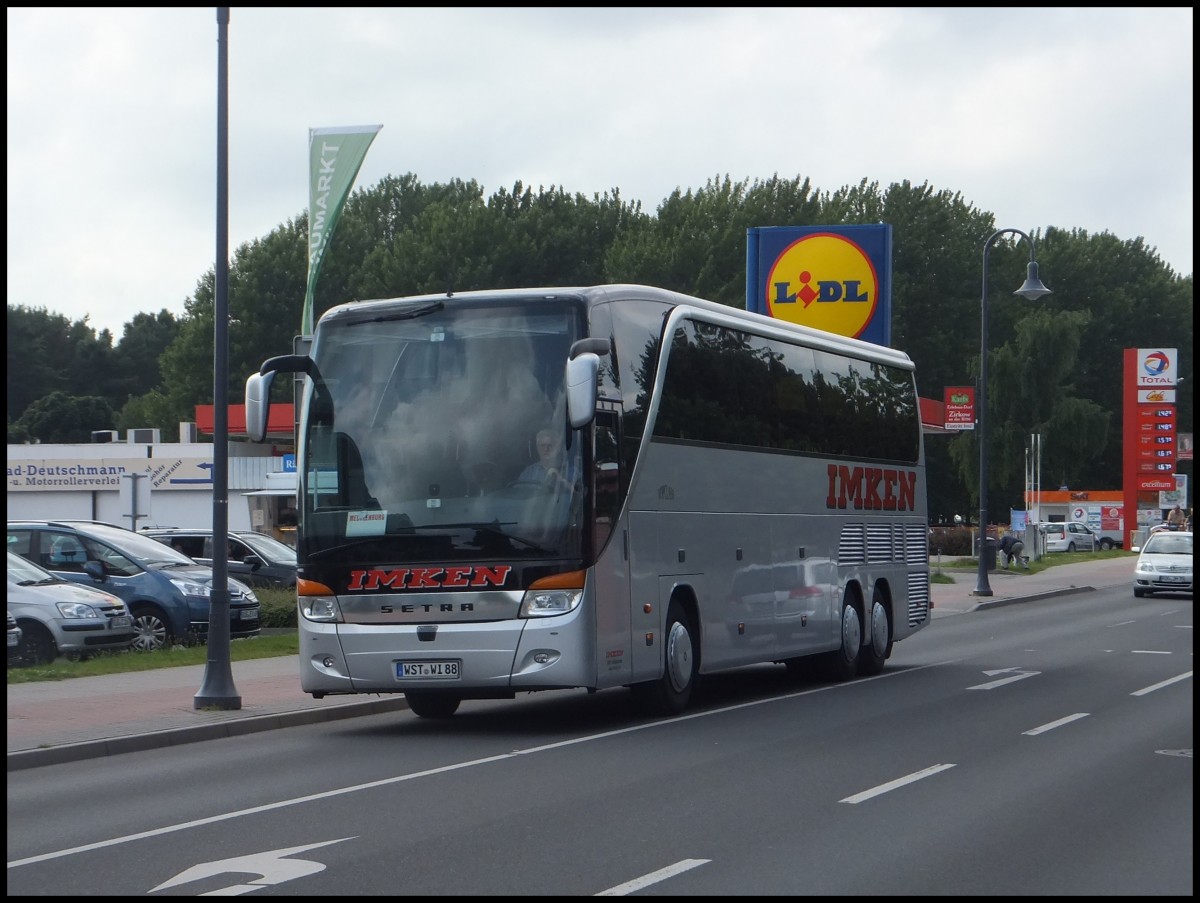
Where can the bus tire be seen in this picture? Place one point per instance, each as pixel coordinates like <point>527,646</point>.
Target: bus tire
<point>878,648</point>
<point>671,693</point>
<point>842,663</point>
<point>432,704</point>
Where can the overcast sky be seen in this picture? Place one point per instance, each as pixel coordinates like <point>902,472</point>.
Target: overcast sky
<point>1072,118</point>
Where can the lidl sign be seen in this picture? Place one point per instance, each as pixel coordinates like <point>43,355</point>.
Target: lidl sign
<point>833,278</point>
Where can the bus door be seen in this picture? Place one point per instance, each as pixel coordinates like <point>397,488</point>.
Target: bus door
<point>611,573</point>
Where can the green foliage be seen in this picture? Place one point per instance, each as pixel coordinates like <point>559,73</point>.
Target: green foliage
<point>276,607</point>
<point>59,417</point>
<point>1055,366</point>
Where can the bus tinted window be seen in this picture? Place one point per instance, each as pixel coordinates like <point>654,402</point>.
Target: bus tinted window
<point>730,387</point>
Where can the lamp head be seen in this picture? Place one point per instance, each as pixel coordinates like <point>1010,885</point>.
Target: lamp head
<point>1033,287</point>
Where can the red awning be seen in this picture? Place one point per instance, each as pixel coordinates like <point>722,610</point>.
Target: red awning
<point>281,423</point>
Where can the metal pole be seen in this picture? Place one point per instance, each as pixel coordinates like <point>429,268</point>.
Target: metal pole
<point>217,690</point>
<point>982,586</point>
<point>1032,289</point>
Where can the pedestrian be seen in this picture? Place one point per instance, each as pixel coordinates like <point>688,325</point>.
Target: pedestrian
<point>1176,520</point>
<point>1013,550</point>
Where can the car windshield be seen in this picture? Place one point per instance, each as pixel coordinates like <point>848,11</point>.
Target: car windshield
<point>270,548</point>
<point>1169,544</point>
<point>141,548</point>
<point>22,570</point>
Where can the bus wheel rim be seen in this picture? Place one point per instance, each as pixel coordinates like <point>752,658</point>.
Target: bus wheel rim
<point>679,657</point>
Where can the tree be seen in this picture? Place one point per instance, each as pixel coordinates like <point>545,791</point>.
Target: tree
<point>60,417</point>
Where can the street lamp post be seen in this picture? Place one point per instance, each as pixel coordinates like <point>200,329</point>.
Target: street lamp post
<point>1032,289</point>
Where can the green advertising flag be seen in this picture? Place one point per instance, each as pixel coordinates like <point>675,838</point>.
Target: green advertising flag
<point>334,157</point>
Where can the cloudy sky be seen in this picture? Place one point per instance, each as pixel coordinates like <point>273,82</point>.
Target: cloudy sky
<point>1073,118</point>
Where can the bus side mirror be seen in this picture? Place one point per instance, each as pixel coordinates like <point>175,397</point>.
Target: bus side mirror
<point>582,381</point>
<point>258,404</point>
<point>258,390</point>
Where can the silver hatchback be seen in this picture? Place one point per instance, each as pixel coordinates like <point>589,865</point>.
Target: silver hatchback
<point>1068,537</point>
<point>60,617</point>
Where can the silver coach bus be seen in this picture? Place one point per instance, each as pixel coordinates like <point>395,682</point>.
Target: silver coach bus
<point>613,486</point>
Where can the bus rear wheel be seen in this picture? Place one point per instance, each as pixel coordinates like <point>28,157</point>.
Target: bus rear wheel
<point>432,704</point>
<point>878,648</point>
<point>670,694</point>
<point>842,663</point>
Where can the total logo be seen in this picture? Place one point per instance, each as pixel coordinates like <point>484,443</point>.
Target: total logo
<point>1156,363</point>
<point>826,282</point>
<point>1157,368</point>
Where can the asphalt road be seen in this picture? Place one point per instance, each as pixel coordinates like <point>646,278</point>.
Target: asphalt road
<point>1026,749</point>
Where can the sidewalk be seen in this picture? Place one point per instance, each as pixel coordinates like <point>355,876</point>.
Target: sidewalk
<point>65,721</point>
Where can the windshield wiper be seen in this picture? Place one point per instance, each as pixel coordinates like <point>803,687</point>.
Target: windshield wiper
<point>493,530</point>
<point>411,314</point>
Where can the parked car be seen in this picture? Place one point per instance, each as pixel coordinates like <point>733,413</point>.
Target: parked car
<point>59,617</point>
<point>167,593</point>
<point>1164,564</point>
<point>1068,537</point>
<point>254,558</point>
<point>14,640</point>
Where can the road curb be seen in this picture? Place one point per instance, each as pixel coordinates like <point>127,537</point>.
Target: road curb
<point>92,749</point>
<point>1032,597</point>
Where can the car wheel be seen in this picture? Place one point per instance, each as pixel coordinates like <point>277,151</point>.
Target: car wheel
<point>1138,592</point>
<point>432,704</point>
<point>150,630</point>
<point>670,694</point>
<point>842,663</point>
<point>1105,545</point>
<point>876,651</point>
<point>1071,547</point>
<point>37,645</point>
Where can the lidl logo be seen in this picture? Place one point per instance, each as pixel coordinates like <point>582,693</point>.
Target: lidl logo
<point>824,281</point>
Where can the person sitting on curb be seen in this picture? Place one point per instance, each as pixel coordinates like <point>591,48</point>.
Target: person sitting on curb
<point>1013,549</point>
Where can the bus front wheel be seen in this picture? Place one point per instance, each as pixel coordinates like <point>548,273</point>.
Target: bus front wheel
<point>670,694</point>
<point>432,705</point>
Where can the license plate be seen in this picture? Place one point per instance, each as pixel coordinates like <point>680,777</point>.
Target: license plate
<point>120,622</point>
<point>1173,578</point>
<point>249,614</point>
<point>429,670</point>
<point>12,640</point>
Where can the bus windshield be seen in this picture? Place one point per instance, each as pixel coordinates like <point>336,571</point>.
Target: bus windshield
<point>437,431</point>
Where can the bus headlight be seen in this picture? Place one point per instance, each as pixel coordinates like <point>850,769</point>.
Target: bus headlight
<point>545,603</point>
<point>320,608</point>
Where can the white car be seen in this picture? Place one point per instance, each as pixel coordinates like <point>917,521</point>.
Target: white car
<point>1068,537</point>
<point>1164,565</point>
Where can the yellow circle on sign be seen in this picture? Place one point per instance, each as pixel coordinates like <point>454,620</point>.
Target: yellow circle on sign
<point>824,281</point>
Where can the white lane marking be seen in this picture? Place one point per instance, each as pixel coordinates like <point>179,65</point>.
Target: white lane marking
<point>1158,686</point>
<point>1053,724</point>
<point>637,884</point>
<point>271,866</point>
<point>1020,675</point>
<point>896,784</point>
<point>1149,652</point>
<point>445,769</point>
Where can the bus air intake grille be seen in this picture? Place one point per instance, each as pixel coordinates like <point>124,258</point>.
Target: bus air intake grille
<point>916,544</point>
<point>879,542</point>
<point>918,598</point>
<point>852,547</point>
